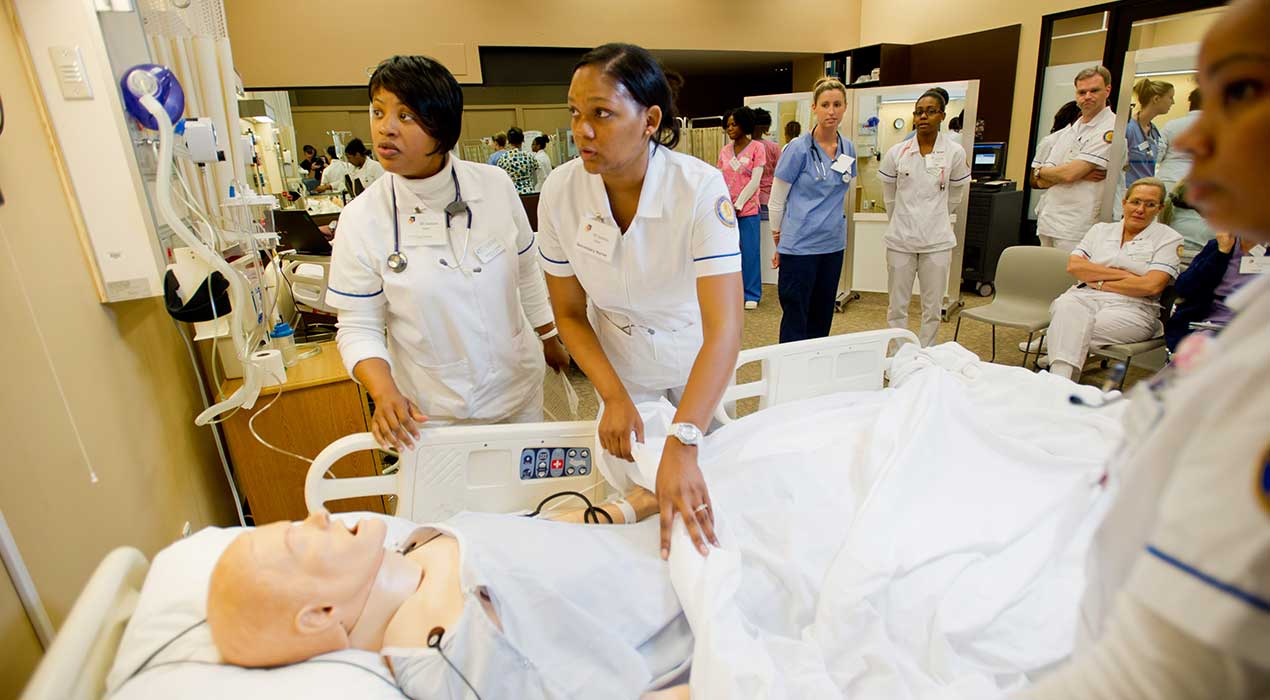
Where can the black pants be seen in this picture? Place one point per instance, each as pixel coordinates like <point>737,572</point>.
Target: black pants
<point>808,285</point>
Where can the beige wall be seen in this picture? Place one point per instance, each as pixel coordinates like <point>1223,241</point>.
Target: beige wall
<point>128,382</point>
<point>263,32</point>
<point>924,21</point>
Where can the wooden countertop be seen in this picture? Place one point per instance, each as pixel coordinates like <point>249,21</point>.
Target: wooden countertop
<point>327,367</point>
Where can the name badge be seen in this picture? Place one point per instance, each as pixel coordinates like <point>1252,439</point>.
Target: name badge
<point>841,164</point>
<point>424,228</point>
<point>489,250</point>
<point>735,164</point>
<point>1254,265</point>
<point>598,239</point>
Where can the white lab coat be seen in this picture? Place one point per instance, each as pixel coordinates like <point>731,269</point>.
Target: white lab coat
<point>920,193</point>
<point>1070,209</point>
<point>1187,536</point>
<point>460,335</point>
<point>335,172</point>
<point>369,172</point>
<point>643,300</point>
<point>544,169</point>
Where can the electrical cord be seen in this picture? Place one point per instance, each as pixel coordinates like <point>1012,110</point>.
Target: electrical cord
<point>591,515</point>
<point>434,643</point>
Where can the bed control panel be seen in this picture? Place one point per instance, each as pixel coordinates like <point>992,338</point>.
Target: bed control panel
<point>553,462</point>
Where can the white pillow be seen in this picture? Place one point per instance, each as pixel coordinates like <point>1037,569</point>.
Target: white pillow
<point>168,635</point>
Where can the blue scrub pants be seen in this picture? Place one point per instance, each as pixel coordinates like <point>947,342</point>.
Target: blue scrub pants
<point>808,286</point>
<point>751,254</point>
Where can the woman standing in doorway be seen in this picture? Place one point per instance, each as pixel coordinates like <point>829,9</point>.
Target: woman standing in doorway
<point>923,178</point>
<point>742,161</point>
<point>807,215</point>
<point>1145,144</point>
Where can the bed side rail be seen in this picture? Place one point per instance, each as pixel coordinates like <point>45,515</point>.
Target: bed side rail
<point>76,665</point>
<point>808,368</point>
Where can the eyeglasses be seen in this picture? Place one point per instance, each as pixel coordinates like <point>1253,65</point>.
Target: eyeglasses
<point>927,112</point>
<point>1149,205</point>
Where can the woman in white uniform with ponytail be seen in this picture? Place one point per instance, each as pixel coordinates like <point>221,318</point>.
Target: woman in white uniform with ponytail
<point>923,179</point>
<point>440,253</point>
<point>643,263</point>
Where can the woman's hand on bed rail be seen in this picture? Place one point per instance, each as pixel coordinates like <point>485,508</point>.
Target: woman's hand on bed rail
<point>682,489</point>
<point>619,420</point>
<point>396,421</point>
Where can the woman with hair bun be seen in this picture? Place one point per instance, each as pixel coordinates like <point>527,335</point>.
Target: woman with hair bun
<point>1145,144</point>
<point>639,244</point>
<point>807,215</point>
<point>923,179</point>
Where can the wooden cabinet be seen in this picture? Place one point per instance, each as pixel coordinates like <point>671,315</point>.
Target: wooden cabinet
<point>319,404</point>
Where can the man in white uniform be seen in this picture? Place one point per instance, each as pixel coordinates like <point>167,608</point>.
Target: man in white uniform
<point>1076,165</point>
<point>365,170</point>
<point>1187,543</point>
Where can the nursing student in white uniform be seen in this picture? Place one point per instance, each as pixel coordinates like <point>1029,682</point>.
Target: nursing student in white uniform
<point>923,180</point>
<point>643,263</point>
<point>1076,165</point>
<point>1123,266</point>
<point>439,252</point>
<point>1178,601</point>
<point>365,170</point>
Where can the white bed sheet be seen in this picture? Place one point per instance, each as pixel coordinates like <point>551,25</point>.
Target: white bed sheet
<point>859,562</point>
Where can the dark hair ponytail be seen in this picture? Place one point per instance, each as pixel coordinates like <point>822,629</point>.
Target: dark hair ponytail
<point>644,79</point>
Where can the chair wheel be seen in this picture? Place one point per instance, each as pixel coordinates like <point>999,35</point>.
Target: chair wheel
<point>985,290</point>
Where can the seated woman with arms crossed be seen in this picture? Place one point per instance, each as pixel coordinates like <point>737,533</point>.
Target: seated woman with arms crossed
<point>1123,266</point>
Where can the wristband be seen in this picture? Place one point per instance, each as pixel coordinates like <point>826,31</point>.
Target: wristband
<point>549,334</point>
<point>628,511</point>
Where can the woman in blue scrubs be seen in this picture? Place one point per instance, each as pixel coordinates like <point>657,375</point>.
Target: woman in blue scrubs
<point>807,215</point>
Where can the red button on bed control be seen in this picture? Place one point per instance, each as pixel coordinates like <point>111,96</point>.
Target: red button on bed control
<point>557,464</point>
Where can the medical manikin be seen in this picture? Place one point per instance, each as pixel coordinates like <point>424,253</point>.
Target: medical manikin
<point>461,606</point>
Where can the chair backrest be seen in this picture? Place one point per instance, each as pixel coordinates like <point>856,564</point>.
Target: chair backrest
<point>1032,274</point>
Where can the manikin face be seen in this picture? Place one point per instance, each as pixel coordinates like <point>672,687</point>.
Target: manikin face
<point>1091,95</point>
<point>829,108</point>
<point>610,128</point>
<point>286,591</point>
<point>1228,140</point>
<point>401,142</point>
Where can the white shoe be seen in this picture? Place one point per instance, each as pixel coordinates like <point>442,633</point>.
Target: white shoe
<point>1036,346</point>
<point>751,305</point>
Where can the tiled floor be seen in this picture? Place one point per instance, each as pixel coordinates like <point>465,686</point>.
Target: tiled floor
<point>869,313</point>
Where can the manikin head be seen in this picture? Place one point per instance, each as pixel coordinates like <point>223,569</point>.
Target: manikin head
<point>286,592</point>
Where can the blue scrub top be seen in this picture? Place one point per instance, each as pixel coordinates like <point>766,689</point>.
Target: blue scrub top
<point>814,222</point>
<point>495,157</point>
<point>1143,150</point>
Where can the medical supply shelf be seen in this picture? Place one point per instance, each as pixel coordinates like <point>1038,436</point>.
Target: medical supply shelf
<point>319,404</point>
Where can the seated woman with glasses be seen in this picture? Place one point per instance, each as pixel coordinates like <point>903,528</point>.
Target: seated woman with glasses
<point>1123,266</point>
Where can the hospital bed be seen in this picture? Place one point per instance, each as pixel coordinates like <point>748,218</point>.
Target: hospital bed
<point>455,468</point>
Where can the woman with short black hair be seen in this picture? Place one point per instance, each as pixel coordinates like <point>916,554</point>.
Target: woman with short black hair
<point>438,253</point>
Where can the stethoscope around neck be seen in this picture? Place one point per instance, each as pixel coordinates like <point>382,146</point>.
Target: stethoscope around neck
<point>822,168</point>
<point>397,260</point>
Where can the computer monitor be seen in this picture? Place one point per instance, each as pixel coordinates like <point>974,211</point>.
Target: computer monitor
<point>297,231</point>
<point>988,161</point>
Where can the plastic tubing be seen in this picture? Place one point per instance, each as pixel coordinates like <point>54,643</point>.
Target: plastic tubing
<point>246,394</point>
